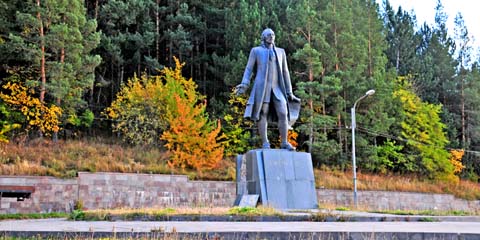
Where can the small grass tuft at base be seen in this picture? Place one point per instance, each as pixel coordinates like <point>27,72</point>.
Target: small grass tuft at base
<point>252,211</point>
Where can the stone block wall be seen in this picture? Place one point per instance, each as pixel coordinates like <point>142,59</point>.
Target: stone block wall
<point>128,190</point>
<point>384,200</point>
<point>114,190</point>
<point>50,195</point>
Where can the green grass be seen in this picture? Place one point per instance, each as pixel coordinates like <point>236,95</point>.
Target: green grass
<point>427,219</point>
<point>428,212</point>
<point>18,216</point>
<point>252,211</point>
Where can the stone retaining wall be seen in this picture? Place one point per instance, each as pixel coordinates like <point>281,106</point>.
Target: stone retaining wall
<point>115,190</point>
<point>384,200</point>
<point>128,190</point>
<point>50,195</point>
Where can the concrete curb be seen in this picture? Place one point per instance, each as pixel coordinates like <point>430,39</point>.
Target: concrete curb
<point>63,229</point>
<point>298,218</point>
<point>245,235</point>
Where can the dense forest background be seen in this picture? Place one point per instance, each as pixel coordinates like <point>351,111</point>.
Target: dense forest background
<point>64,63</point>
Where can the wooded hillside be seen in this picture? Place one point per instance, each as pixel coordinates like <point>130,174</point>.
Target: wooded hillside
<point>63,63</point>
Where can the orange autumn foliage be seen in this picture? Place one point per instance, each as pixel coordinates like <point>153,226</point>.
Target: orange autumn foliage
<point>191,137</point>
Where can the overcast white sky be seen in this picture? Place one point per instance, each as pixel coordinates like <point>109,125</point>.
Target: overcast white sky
<point>425,12</point>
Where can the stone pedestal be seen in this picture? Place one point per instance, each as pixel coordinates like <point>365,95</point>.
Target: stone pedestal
<point>283,179</point>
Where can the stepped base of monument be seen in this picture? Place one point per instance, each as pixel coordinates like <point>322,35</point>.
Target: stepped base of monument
<point>282,179</point>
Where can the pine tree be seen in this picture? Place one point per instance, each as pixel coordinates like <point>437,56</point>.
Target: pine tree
<point>313,88</point>
<point>402,40</point>
<point>127,41</point>
<point>56,39</point>
<point>464,61</point>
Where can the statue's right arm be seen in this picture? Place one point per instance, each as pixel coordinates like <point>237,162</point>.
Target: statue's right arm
<point>249,68</point>
<point>242,87</point>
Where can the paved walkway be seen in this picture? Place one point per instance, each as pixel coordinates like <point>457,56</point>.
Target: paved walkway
<point>63,225</point>
<point>363,225</point>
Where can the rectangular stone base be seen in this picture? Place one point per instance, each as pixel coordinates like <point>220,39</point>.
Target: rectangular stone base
<point>283,179</point>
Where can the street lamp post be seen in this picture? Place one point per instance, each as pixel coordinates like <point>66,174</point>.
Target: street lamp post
<point>354,125</point>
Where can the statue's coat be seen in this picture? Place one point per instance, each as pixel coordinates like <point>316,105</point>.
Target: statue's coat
<point>259,58</point>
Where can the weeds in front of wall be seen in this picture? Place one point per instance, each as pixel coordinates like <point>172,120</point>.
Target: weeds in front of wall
<point>19,216</point>
<point>160,234</point>
<point>161,213</point>
<point>429,212</point>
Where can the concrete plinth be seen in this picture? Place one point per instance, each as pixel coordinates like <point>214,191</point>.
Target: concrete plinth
<point>283,179</point>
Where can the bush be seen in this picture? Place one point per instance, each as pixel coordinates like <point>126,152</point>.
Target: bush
<point>168,107</point>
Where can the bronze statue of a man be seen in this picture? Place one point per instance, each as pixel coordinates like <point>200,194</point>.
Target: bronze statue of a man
<point>272,88</point>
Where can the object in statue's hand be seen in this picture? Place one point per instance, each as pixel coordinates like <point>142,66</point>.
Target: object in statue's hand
<point>240,89</point>
<point>292,98</point>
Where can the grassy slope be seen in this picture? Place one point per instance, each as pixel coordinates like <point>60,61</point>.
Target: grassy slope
<point>65,159</point>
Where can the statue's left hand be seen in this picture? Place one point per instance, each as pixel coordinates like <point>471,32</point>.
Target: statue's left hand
<point>292,97</point>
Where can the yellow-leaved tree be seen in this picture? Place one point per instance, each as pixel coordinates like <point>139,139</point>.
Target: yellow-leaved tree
<point>456,156</point>
<point>191,137</point>
<point>138,111</point>
<point>37,114</point>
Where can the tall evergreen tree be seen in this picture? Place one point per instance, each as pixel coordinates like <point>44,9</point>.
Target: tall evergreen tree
<point>464,61</point>
<point>468,87</point>
<point>402,40</point>
<point>356,57</point>
<point>435,80</point>
<point>56,38</point>
<point>128,38</point>
<point>313,88</point>
<point>438,54</point>
<point>471,159</point>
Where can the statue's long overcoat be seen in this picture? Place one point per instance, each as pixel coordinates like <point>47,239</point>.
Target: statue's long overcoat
<point>259,58</point>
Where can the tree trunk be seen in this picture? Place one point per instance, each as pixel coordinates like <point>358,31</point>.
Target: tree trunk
<point>42,55</point>
<point>335,41</point>
<point>170,46</point>
<point>370,62</point>
<point>96,9</point>
<point>337,67</point>
<point>310,105</point>
<point>464,142</point>
<point>205,63</point>
<point>324,111</point>
<point>157,30</point>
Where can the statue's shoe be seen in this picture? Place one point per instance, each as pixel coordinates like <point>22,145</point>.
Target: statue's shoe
<point>287,146</point>
<point>266,145</point>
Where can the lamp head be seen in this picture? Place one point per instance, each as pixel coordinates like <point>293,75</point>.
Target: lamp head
<point>370,92</point>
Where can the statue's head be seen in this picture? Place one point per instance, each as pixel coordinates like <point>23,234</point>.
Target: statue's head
<point>268,36</point>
